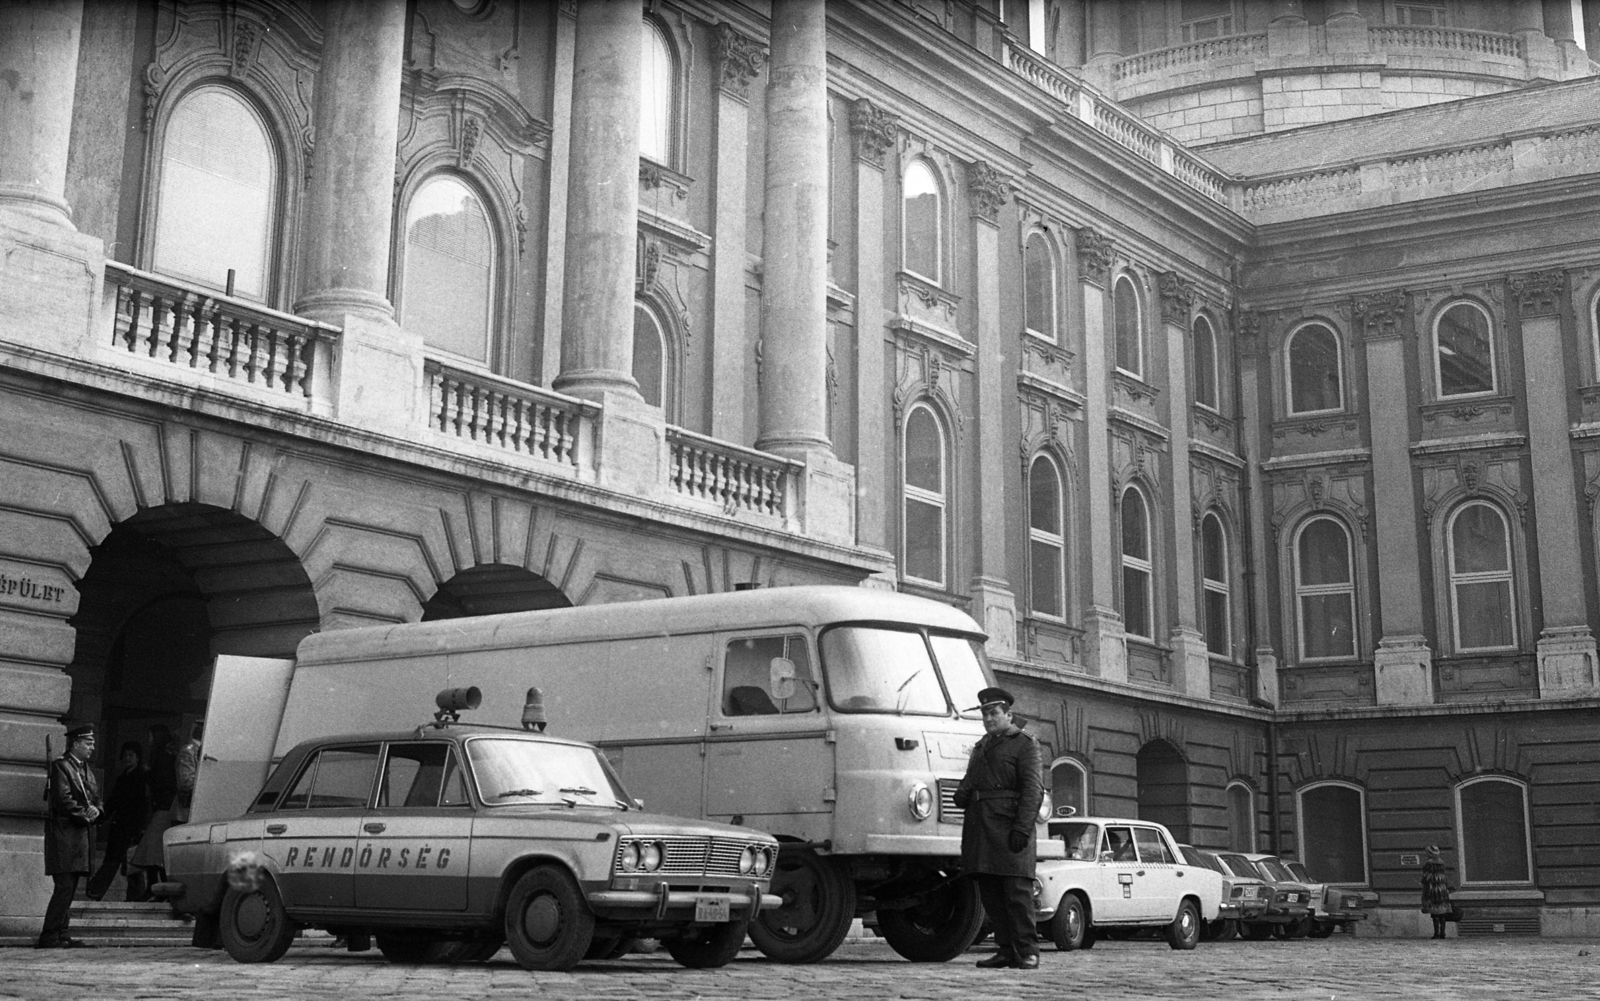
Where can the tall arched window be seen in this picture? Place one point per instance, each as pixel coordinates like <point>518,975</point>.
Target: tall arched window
<point>216,207</point>
<point>1205,364</point>
<point>925,498</point>
<point>1125,316</point>
<point>1069,786</point>
<point>1039,281</point>
<point>1325,590</point>
<point>1046,539</point>
<point>659,87</point>
<point>922,222</point>
<point>1316,372</point>
<point>650,356</point>
<point>1493,817</point>
<point>1137,597</point>
<point>1333,832</point>
<point>1214,577</point>
<point>1482,600</point>
<point>447,287</point>
<point>1463,351</point>
<point>1241,817</point>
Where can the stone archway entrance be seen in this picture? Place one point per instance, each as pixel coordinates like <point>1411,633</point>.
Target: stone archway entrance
<point>491,588</point>
<point>1164,788</point>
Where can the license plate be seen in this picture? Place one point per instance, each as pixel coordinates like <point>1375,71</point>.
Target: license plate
<point>710,910</point>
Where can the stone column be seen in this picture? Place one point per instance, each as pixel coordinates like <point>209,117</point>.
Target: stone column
<point>1105,41</point>
<point>1287,31</point>
<point>1345,28</point>
<point>875,132</point>
<point>1542,54</point>
<point>557,166</point>
<point>994,603</point>
<point>736,61</point>
<point>1191,662</point>
<point>1258,437</point>
<point>38,74</point>
<point>1403,662</point>
<point>1566,647</point>
<point>1104,641</point>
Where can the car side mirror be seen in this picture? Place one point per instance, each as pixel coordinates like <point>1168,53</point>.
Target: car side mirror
<point>1106,857</point>
<point>638,804</point>
<point>780,678</point>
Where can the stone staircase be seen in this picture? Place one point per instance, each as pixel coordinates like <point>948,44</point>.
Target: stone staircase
<point>117,923</point>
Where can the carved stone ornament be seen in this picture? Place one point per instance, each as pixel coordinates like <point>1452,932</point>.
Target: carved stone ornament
<point>738,59</point>
<point>467,143</point>
<point>244,46</point>
<point>1381,313</point>
<point>1539,292</point>
<point>1094,256</point>
<point>1249,327</point>
<point>1177,298</point>
<point>648,265</point>
<point>875,130</point>
<point>989,189</point>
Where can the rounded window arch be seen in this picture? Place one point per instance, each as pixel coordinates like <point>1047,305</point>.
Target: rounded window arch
<point>925,525</point>
<point>449,268</point>
<point>1039,286</point>
<point>1594,333</point>
<point>1047,545</point>
<point>1492,821</point>
<point>1333,831</point>
<point>1129,324</point>
<point>651,356</point>
<point>1463,351</point>
<point>217,198</point>
<point>1316,370</point>
<point>1325,591</point>
<point>1216,582</point>
<point>1482,593</point>
<point>1241,816</point>
<point>1204,339</point>
<point>658,106</point>
<point>1069,786</point>
<point>922,221</point>
<point>1138,566</point>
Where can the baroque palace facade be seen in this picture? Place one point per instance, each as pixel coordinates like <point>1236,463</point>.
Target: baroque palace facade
<point>1234,363</point>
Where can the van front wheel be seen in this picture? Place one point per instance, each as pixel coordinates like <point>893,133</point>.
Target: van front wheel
<point>819,902</point>
<point>939,927</point>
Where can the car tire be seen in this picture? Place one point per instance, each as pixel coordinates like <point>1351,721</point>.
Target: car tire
<point>1298,928</point>
<point>254,926</point>
<point>1069,929</point>
<point>939,928</point>
<point>1184,932</point>
<point>1259,931</point>
<point>819,902</point>
<point>471,950</point>
<point>1321,929</point>
<point>548,924</point>
<point>710,946</point>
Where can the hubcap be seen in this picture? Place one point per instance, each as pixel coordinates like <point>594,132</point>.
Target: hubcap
<point>541,919</point>
<point>251,918</point>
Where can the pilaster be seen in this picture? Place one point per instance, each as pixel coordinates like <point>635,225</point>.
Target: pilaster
<point>1251,358</point>
<point>1192,674</point>
<point>1104,639</point>
<point>875,132</point>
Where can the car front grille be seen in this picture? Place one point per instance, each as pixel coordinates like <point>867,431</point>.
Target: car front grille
<point>949,813</point>
<point>725,855</point>
<point>690,856</point>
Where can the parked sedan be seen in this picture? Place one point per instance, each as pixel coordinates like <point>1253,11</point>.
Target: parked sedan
<point>1333,904</point>
<point>1244,898</point>
<point>1288,913</point>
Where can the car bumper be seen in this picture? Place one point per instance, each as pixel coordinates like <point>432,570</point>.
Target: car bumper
<point>669,902</point>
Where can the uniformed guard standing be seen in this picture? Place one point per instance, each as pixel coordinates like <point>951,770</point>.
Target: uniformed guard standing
<point>1000,795</point>
<point>74,797</point>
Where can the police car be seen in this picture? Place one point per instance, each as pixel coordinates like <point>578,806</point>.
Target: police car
<point>445,842</point>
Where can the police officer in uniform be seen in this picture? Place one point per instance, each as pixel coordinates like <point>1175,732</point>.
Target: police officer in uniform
<point>74,797</point>
<point>1000,795</point>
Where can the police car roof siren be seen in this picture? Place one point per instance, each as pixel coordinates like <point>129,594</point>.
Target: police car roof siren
<point>452,700</point>
<point>533,717</point>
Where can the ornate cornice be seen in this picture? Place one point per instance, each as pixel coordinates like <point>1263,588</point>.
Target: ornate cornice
<point>1177,298</point>
<point>1094,256</point>
<point>989,190</point>
<point>875,130</point>
<point>737,59</point>
<point>1381,313</point>
<point>1539,292</point>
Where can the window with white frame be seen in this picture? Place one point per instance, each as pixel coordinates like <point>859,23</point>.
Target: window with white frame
<point>1137,567</point>
<point>1125,318</point>
<point>1046,539</point>
<point>1202,19</point>
<point>659,94</point>
<point>1482,598</point>
<point>1039,287</point>
<point>1333,832</point>
<point>1325,591</point>
<point>1492,813</point>
<point>650,355</point>
<point>926,506</point>
<point>1463,351</point>
<point>216,203</point>
<point>1069,786</point>
<point>1214,579</point>
<point>921,221</point>
<point>1241,817</point>
<point>1205,364</point>
<point>1316,370</point>
<point>447,274</point>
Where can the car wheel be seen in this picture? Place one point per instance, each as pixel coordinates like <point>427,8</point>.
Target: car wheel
<point>1184,932</point>
<point>548,924</point>
<point>1321,929</point>
<point>1260,931</point>
<point>939,927</point>
<point>1069,929</point>
<point>819,902</point>
<point>710,946</point>
<point>254,926</point>
<point>1297,928</point>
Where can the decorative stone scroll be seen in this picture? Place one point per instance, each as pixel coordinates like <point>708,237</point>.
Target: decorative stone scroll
<point>875,130</point>
<point>1539,292</point>
<point>1177,298</point>
<point>989,189</point>
<point>1095,254</point>
<point>1249,332</point>
<point>1381,313</point>
<point>737,60</point>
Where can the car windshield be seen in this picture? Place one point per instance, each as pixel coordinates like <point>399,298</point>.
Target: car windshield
<point>510,771</point>
<point>1239,866</point>
<point>1298,871</point>
<point>1082,840</point>
<point>1274,870</point>
<point>879,669</point>
<point>1203,859</point>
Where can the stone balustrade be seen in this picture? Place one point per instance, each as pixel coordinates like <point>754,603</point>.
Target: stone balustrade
<point>1205,54</point>
<point>738,480</point>
<point>1041,72</point>
<point>1390,37</point>
<point>511,416</point>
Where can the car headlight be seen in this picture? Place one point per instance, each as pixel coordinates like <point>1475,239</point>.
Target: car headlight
<point>747,860</point>
<point>650,856</point>
<point>764,861</point>
<point>629,857</point>
<point>1047,809</point>
<point>921,801</point>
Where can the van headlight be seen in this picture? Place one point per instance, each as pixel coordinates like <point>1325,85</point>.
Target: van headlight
<point>921,801</point>
<point>1047,809</point>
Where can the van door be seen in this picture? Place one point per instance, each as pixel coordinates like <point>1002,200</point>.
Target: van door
<point>769,747</point>
<point>653,717</point>
<point>242,717</point>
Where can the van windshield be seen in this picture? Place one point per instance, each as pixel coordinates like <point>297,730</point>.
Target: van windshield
<point>880,669</point>
<point>511,771</point>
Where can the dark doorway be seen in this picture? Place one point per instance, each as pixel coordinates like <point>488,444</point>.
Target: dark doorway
<point>1164,788</point>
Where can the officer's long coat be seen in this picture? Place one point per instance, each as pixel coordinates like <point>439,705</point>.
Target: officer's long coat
<point>1000,765</point>
<point>68,838</point>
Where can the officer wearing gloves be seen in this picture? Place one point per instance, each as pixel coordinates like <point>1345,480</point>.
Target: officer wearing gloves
<point>1001,793</point>
<point>74,797</point>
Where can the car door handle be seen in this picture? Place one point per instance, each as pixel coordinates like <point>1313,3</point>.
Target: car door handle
<point>1139,873</point>
<point>374,828</point>
<point>277,828</point>
<point>1180,873</point>
<point>722,726</point>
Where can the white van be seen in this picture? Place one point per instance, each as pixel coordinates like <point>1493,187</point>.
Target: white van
<point>839,719</point>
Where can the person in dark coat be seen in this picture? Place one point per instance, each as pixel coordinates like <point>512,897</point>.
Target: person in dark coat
<point>74,797</point>
<point>1436,890</point>
<point>1001,795</point>
<point>162,770</point>
<point>127,810</point>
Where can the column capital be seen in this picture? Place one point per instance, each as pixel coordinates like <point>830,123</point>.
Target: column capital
<point>1539,292</point>
<point>1249,332</point>
<point>737,59</point>
<point>1095,254</point>
<point>875,129</point>
<point>989,189</point>
<point>1177,298</point>
<point>1381,313</point>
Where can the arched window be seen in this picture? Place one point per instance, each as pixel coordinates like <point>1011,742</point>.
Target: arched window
<point>1046,539</point>
<point>1333,832</point>
<point>1125,315</point>
<point>1069,786</point>
<point>1493,817</point>
<point>922,222</point>
<point>650,356</point>
<point>216,207</point>
<point>1039,281</point>
<point>1463,351</point>
<point>1136,566</point>
<point>1214,578</point>
<point>658,80</point>
<point>1482,601</point>
<point>1205,364</point>
<point>1325,590</point>
<point>1594,334</point>
<point>1241,817</point>
<point>447,287</point>
<point>925,498</point>
<point>1316,380</point>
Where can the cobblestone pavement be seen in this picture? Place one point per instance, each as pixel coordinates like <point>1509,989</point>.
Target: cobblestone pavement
<point>1336,969</point>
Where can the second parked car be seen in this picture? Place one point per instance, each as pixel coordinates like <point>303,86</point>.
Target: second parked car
<point>1244,898</point>
<point>1288,913</point>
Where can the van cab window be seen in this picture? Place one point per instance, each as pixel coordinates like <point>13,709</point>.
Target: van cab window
<point>337,778</point>
<point>747,676</point>
<point>880,670</point>
<point>961,664</point>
